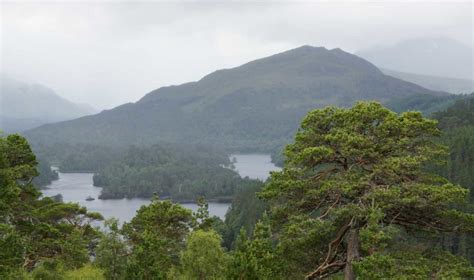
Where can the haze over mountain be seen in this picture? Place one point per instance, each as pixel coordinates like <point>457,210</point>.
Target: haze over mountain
<point>443,57</point>
<point>24,106</point>
<point>253,107</point>
<point>451,85</point>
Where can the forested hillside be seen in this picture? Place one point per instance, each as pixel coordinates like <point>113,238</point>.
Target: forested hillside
<point>354,200</point>
<point>253,107</point>
<point>457,124</point>
<point>457,133</point>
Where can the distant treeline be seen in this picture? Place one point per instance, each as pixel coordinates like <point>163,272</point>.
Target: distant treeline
<point>169,171</point>
<point>46,173</point>
<point>354,199</point>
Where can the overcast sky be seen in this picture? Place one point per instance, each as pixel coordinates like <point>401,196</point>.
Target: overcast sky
<point>109,53</point>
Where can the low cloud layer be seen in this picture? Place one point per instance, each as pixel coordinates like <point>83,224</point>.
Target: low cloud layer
<point>106,53</point>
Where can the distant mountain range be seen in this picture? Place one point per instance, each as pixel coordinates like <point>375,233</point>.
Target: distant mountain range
<point>253,107</point>
<point>441,57</point>
<point>451,85</point>
<point>24,106</point>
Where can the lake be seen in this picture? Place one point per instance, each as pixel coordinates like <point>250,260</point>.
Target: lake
<point>76,187</point>
<point>254,166</point>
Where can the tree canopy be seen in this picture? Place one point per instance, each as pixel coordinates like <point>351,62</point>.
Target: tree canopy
<point>364,193</point>
<point>35,231</point>
<point>352,179</point>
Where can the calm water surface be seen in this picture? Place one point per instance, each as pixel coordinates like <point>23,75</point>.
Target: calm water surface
<point>254,166</point>
<point>76,187</point>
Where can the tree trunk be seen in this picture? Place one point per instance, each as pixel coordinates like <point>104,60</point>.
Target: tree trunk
<point>352,253</point>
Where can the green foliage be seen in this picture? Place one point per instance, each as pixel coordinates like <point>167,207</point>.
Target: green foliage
<point>244,212</point>
<point>457,123</point>
<point>46,174</point>
<point>49,270</point>
<point>203,258</point>
<point>78,157</point>
<point>460,114</point>
<point>56,271</point>
<point>425,264</point>
<point>425,103</point>
<point>111,252</point>
<point>88,272</point>
<point>256,258</point>
<point>203,220</point>
<point>157,234</point>
<point>358,190</point>
<point>34,231</point>
<point>354,174</point>
<point>180,173</point>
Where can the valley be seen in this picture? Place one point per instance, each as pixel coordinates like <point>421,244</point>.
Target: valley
<point>254,140</point>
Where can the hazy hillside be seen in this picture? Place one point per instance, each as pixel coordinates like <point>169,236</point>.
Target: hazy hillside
<point>256,106</point>
<point>24,106</point>
<point>451,85</point>
<point>441,57</point>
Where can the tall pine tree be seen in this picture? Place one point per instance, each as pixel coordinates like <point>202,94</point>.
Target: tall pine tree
<point>354,179</point>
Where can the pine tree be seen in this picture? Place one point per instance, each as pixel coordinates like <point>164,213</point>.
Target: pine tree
<point>355,174</point>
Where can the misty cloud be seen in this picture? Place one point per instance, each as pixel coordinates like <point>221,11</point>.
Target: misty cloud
<point>110,53</point>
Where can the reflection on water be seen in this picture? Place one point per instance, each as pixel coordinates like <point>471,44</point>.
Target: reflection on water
<point>76,187</point>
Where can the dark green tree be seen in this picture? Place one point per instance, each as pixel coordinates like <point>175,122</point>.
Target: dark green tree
<point>157,234</point>
<point>203,258</point>
<point>111,252</point>
<point>256,258</point>
<point>354,175</point>
<point>37,232</point>
<point>245,211</point>
<point>457,125</point>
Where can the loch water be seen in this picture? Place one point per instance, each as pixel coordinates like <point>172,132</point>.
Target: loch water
<point>76,187</point>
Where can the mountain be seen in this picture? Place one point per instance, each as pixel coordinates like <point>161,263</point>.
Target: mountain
<point>254,107</point>
<point>451,85</point>
<point>24,106</point>
<point>442,57</point>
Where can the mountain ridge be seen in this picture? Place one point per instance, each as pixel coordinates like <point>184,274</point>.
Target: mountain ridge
<point>253,107</point>
<point>451,85</point>
<point>26,105</point>
<point>443,57</point>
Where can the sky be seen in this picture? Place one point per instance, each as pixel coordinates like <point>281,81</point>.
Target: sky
<point>106,53</point>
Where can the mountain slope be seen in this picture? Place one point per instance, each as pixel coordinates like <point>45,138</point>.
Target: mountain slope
<point>451,85</point>
<point>256,106</point>
<point>441,57</point>
<point>24,106</point>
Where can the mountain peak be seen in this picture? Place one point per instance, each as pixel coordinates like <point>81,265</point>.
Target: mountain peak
<point>26,105</point>
<point>305,60</point>
<point>308,48</point>
<point>249,107</point>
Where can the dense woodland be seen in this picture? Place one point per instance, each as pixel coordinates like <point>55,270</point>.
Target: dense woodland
<point>457,124</point>
<point>176,172</point>
<point>359,196</point>
<point>46,173</point>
